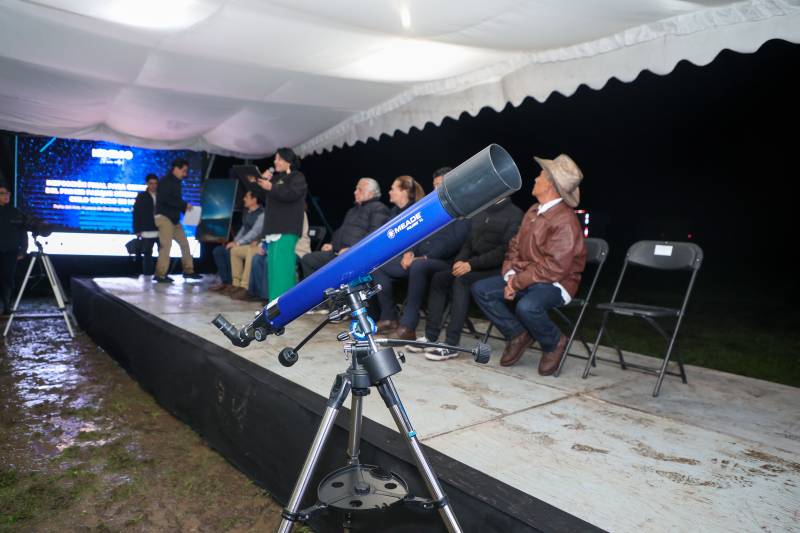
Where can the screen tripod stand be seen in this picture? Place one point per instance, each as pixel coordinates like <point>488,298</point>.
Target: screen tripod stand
<point>55,285</point>
<point>358,487</point>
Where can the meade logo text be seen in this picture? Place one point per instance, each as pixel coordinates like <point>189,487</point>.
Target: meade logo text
<point>408,224</point>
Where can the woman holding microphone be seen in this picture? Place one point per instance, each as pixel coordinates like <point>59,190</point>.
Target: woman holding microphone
<point>284,192</point>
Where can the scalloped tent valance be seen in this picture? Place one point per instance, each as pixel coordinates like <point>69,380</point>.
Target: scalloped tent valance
<point>244,77</point>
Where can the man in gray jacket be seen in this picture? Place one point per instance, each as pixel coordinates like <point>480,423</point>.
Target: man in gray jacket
<point>362,219</point>
<point>235,258</point>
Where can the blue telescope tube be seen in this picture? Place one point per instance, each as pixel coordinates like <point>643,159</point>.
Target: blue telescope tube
<point>393,238</point>
<point>483,180</point>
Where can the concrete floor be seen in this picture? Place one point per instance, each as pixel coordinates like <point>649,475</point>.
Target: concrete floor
<point>718,454</point>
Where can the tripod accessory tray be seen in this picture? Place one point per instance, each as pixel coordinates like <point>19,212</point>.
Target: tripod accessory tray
<point>361,488</point>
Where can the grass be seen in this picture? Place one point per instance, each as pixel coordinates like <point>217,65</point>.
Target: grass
<point>23,497</point>
<point>752,338</point>
<point>735,330</point>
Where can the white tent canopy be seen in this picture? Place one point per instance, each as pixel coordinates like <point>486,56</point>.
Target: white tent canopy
<point>244,77</point>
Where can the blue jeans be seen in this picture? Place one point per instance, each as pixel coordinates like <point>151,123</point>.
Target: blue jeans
<point>222,258</point>
<point>418,274</point>
<point>533,303</point>
<point>258,277</point>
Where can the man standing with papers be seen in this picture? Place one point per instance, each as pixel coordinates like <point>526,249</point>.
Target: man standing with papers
<point>169,206</point>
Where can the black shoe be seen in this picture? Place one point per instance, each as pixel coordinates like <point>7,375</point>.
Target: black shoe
<point>192,275</point>
<point>163,279</point>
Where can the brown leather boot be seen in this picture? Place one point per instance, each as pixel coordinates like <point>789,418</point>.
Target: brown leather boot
<point>239,294</point>
<point>406,334</point>
<point>516,347</point>
<point>230,289</point>
<point>387,326</point>
<point>550,360</point>
<point>218,287</point>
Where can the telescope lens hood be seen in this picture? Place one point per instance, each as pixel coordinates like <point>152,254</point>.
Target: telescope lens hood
<point>480,181</point>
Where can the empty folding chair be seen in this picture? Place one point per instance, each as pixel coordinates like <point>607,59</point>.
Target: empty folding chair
<point>665,256</point>
<point>596,254</point>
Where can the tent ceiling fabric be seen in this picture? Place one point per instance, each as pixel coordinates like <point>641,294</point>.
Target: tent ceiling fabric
<point>244,77</point>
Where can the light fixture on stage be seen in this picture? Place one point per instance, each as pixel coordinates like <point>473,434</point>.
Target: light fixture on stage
<point>482,180</point>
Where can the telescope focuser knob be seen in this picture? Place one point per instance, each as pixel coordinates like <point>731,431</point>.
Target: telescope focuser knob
<point>260,334</point>
<point>343,336</point>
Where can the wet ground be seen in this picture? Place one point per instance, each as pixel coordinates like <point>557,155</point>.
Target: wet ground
<point>84,448</point>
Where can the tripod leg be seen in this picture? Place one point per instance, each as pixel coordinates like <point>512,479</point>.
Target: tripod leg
<point>392,400</point>
<point>354,439</point>
<point>58,292</point>
<point>339,392</point>
<point>19,294</point>
<point>64,296</point>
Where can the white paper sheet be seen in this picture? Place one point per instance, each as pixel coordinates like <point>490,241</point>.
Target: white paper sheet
<point>192,217</point>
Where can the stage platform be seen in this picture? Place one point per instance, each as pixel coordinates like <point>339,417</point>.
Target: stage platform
<point>515,451</point>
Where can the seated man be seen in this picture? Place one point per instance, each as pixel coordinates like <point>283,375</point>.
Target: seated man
<point>432,255</point>
<point>479,258</point>
<point>362,219</point>
<point>233,259</point>
<point>542,268</point>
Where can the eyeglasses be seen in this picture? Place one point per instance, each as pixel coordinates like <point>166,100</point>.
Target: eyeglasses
<point>5,193</point>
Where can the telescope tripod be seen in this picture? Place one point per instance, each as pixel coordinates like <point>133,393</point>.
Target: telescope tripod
<point>358,487</point>
<point>55,285</point>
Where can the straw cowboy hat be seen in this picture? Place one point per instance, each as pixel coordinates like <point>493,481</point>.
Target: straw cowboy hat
<point>566,176</point>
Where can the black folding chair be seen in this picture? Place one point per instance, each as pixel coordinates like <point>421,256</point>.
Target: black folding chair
<point>596,254</point>
<point>316,234</point>
<point>658,255</point>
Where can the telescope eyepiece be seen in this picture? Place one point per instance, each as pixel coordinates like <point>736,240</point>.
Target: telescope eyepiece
<point>230,331</point>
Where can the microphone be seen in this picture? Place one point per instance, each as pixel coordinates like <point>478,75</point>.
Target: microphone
<point>482,180</point>
<point>271,170</point>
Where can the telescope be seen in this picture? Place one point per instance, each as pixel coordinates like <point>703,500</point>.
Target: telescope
<point>482,180</point>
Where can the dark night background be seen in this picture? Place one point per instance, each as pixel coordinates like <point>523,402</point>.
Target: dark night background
<point>707,151</point>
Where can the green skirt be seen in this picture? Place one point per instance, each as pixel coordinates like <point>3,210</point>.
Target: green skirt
<point>281,265</point>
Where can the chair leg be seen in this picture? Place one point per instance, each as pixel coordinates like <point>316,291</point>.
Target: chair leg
<point>573,332</point>
<point>670,349</point>
<point>661,374</point>
<point>590,362</point>
<point>488,332</point>
<point>566,352</point>
<point>619,352</point>
<point>585,346</point>
<point>679,360</point>
<point>471,328</point>
<point>657,388</point>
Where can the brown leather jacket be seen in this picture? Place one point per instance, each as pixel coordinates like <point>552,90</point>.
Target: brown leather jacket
<point>548,248</point>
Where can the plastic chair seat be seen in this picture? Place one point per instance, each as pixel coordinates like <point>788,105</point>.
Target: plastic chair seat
<point>631,309</point>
